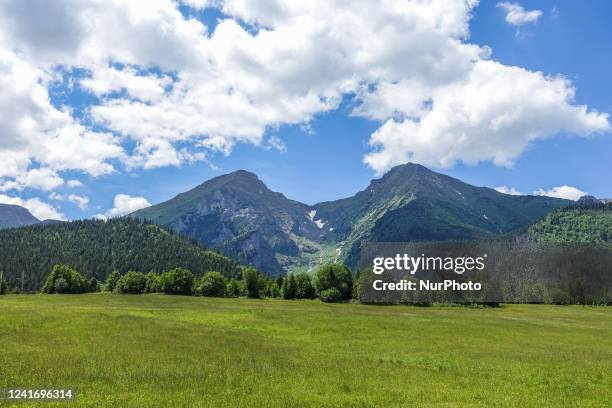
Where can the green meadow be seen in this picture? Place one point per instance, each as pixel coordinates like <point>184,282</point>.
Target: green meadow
<point>156,350</point>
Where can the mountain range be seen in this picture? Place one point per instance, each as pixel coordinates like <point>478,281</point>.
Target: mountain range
<point>238,215</point>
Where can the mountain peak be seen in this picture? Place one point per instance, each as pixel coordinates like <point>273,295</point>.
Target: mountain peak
<point>15,216</point>
<point>242,173</point>
<point>408,176</point>
<point>238,176</point>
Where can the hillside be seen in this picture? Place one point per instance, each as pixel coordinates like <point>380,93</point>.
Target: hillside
<point>238,215</point>
<point>413,203</point>
<point>96,248</point>
<point>15,216</point>
<point>590,223</point>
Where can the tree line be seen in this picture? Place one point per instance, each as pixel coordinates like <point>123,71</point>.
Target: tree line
<point>331,283</point>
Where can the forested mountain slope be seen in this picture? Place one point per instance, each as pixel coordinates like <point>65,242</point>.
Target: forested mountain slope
<point>590,223</point>
<point>96,248</point>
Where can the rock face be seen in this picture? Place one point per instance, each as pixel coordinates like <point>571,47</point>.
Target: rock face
<point>15,216</point>
<point>238,215</point>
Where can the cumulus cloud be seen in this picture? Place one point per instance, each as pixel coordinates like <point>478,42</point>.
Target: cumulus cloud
<point>148,87</point>
<point>80,201</point>
<point>494,114</point>
<point>567,192</point>
<point>38,208</point>
<point>124,204</point>
<point>43,179</point>
<point>171,90</point>
<point>517,15</point>
<point>508,190</point>
<point>39,140</point>
<point>74,183</point>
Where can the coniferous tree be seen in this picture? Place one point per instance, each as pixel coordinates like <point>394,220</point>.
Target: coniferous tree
<point>96,248</point>
<point>289,287</point>
<point>279,280</point>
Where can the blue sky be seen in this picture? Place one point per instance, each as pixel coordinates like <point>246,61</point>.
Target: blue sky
<point>322,157</point>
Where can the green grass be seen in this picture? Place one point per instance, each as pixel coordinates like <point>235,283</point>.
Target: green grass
<point>153,350</point>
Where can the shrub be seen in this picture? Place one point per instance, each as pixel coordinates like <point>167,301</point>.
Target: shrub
<point>152,283</point>
<point>61,285</point>
<point>252,282</point>
<point>177,281</point>
<point>232,288</point>
<point>559,297</point>
<point>303,287</point>
<point>70,281</point>
<point>131,283</point>
<point>111,281</point>
<point>211,284</point>
<point>94,286</point>
<point>330,295</point>
<point>334,276</point>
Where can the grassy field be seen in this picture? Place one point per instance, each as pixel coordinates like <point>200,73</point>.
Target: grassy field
<point>154,350</point>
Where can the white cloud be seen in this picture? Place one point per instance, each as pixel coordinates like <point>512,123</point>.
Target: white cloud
<point>200,4</point>
<point>38,208</point>
<point>80,201</point>
<point>567,192</point>
<point>494,114</point>
<point>517,15</point>
<point>508,190</point>
<point>148,88</point>
<point>43,179</point>
<point>175,92</point>
<point>34,131</point>
<point>124,204</point>
<point>74,183</point>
